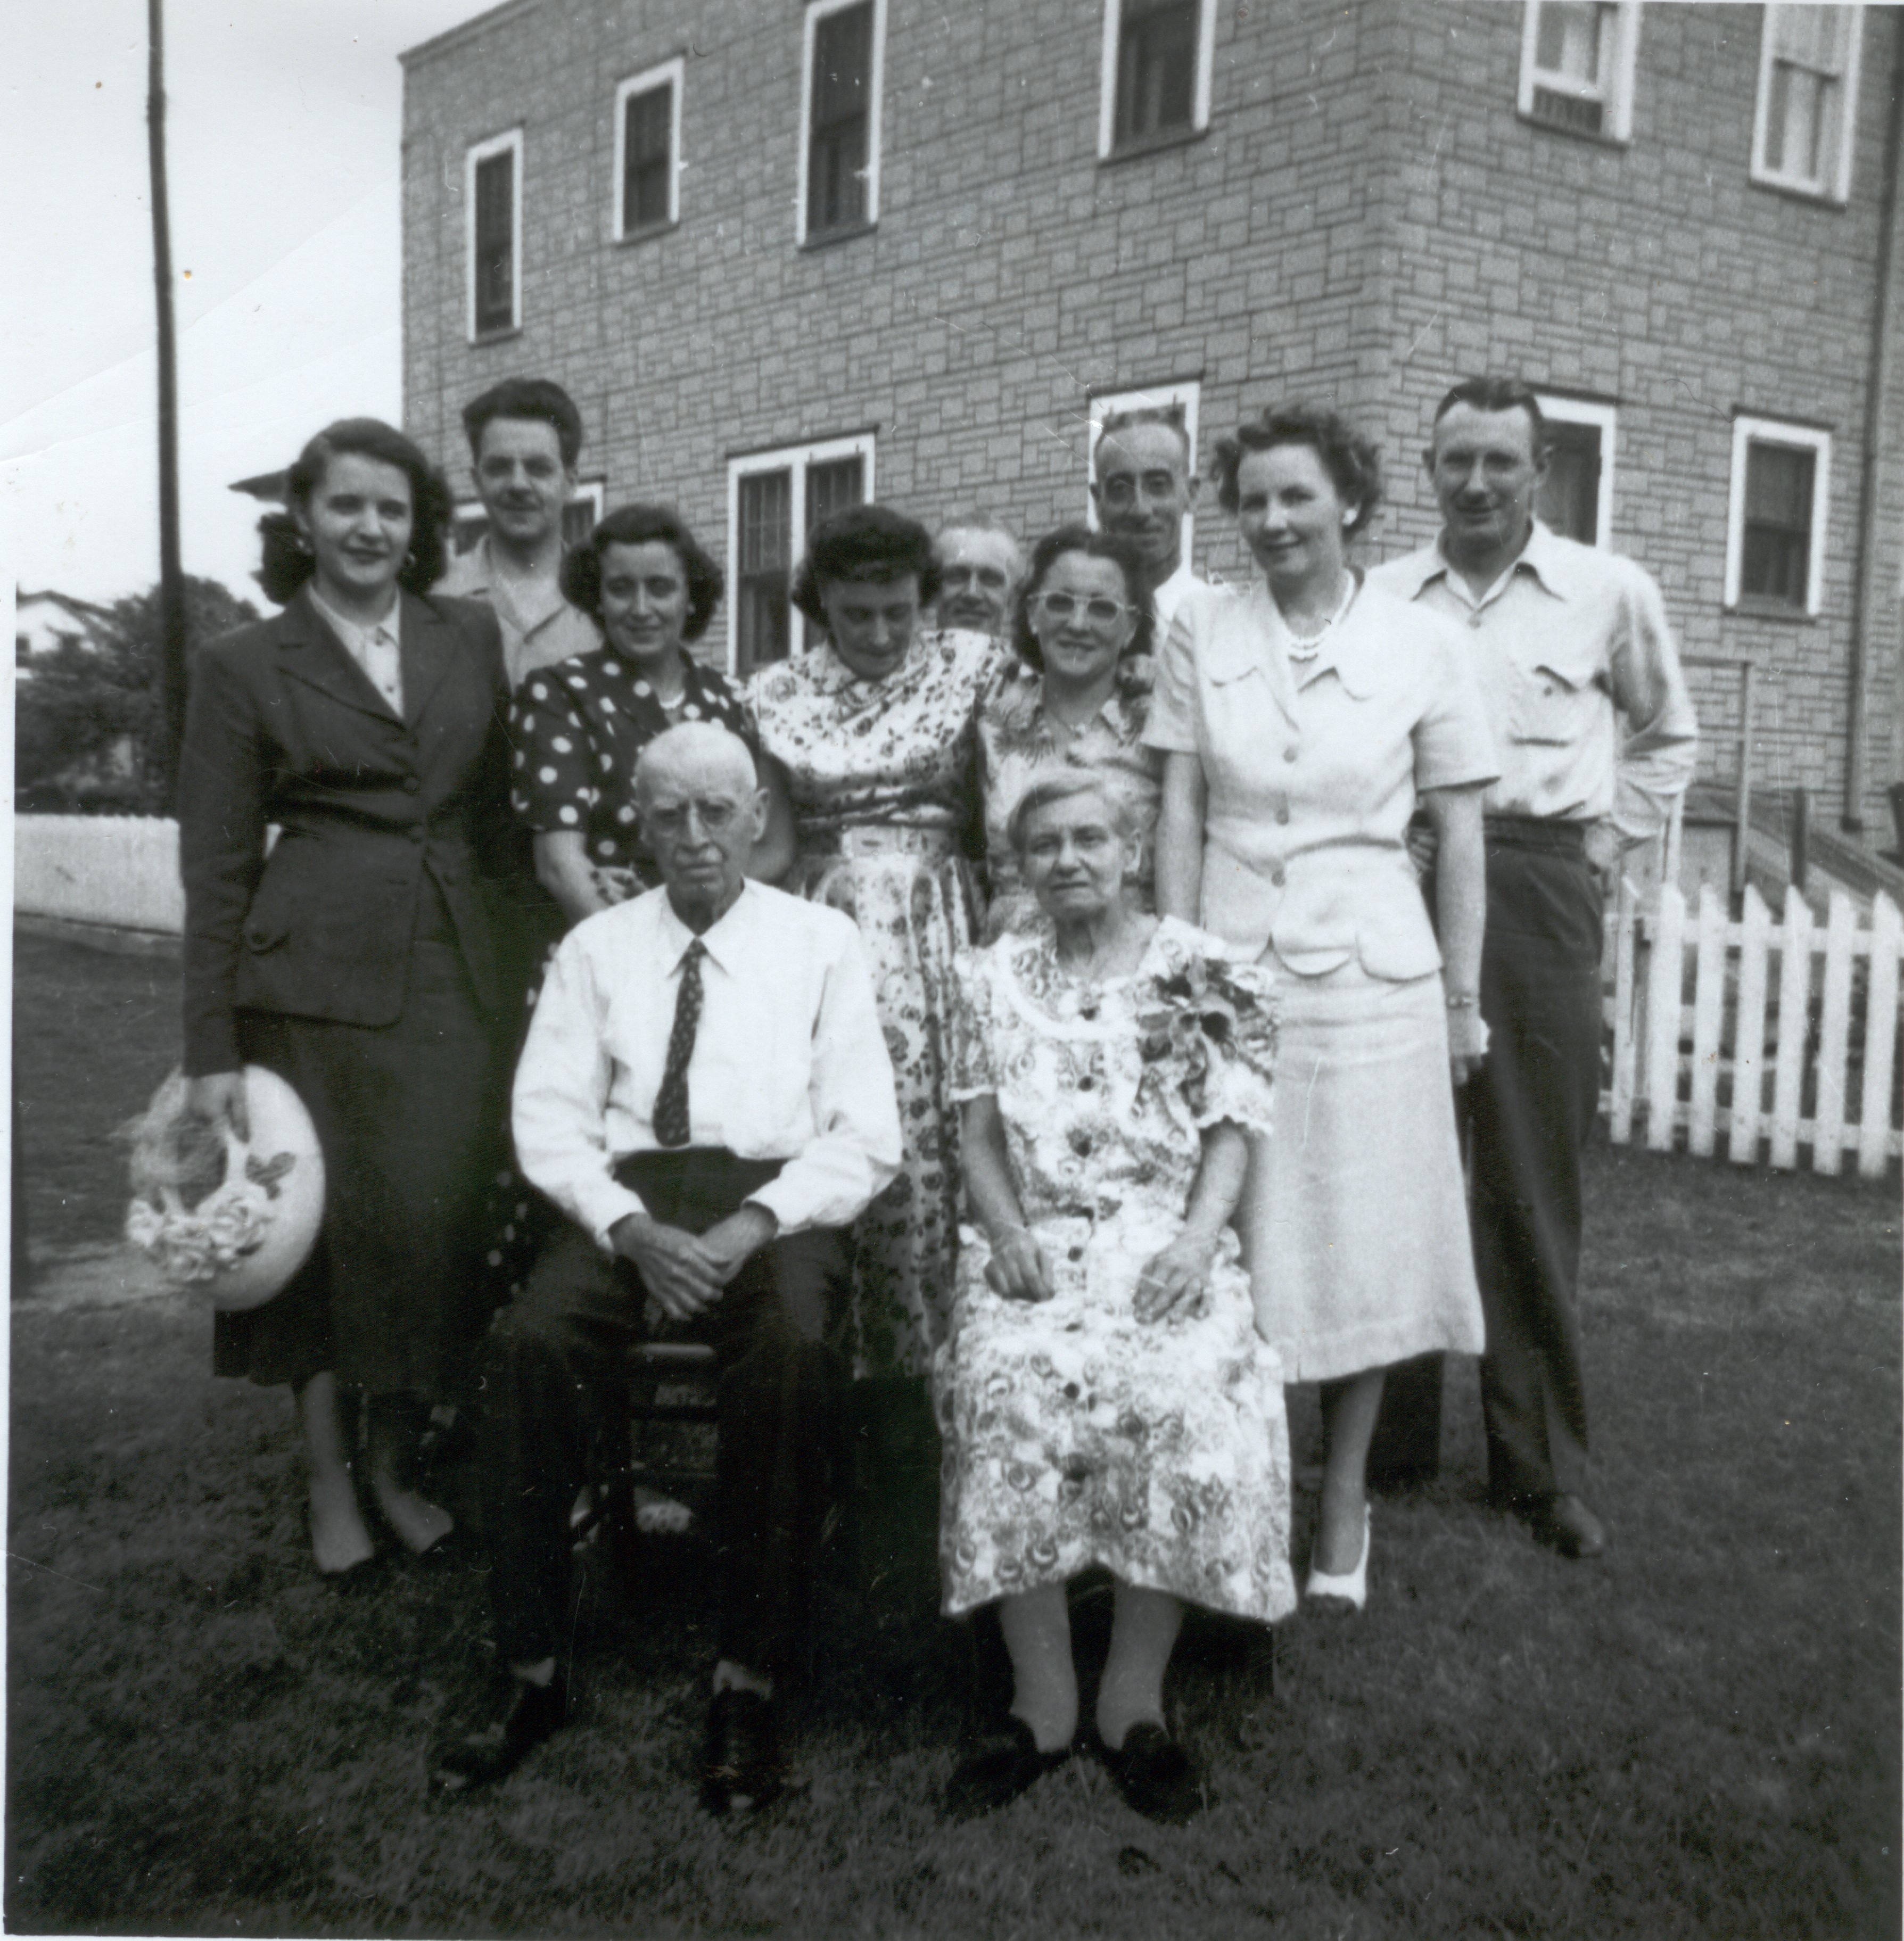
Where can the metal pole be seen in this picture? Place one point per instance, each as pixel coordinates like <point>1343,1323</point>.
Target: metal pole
<point>172,579</point>
<point>1742,808</point>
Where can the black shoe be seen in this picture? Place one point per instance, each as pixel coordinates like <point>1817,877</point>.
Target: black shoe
<point>1155,1774</point>
<point>511,1719</point>
<point>1004,1761</point>
<point>1565,1524</point>
<point>741,1771</point>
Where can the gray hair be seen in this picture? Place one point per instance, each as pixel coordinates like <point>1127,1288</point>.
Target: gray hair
<point>720,749</point>
<point>1063,785</point>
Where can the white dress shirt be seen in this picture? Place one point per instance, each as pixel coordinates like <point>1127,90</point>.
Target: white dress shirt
<point>789,1062</point>
<point>377,648</point>
<point>1169,596</point>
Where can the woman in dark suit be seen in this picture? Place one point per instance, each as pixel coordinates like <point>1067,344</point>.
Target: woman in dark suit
<point>344,833</point>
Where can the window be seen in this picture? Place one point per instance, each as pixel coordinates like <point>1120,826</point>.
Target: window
<point>1577,60</point>
<point>580,516</point>
<point>1807,93</point>
<point>494,191</point>
<point>1157,73</point>
<point>774,499</point>
<point>1177,400</point>
<point>1576,497</point>
<point>843,51</point>
<point>647,150</point>
<point>1775,533</point>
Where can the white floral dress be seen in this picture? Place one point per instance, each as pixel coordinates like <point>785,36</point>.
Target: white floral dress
<point>1074,1434</point>
<point>883,779</point>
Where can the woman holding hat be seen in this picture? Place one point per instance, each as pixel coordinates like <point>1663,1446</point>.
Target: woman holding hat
<point>343,829</point>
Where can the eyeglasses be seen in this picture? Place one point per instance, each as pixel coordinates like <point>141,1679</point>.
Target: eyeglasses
<point>1063,608</point>
<point>714,817</point>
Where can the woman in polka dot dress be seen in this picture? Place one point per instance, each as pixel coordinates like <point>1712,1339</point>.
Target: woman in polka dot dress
<point>579,725</point>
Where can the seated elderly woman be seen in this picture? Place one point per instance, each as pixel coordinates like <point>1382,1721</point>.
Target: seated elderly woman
<point>1103,1394</point>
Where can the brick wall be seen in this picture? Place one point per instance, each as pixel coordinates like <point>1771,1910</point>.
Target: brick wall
<point>1366,219</point>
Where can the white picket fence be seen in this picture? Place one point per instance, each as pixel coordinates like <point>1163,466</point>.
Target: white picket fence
<point>118,870</point>
<point>1767,1029</point>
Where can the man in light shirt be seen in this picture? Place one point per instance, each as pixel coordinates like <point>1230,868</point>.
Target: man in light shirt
<point>1595,736</point>
<point>980,568</point>
<point>1144,486</point>
<point>525,436</point>
<point>705,1092</point>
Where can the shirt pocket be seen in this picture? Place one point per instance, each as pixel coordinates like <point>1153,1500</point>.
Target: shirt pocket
<point>1554,700</point>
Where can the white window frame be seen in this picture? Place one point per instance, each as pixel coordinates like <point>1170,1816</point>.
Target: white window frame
<point>1114,23</point>
<point>1616,124</point>
<point>1836,185</point>
<point>479,152</point>
<point>592,492</point>
<point>817,10</point>
<point>1747,432</point>
<point>1584,411</point>
<point>672,74</point>
<point>1185,391</point>
<point>795,459</point>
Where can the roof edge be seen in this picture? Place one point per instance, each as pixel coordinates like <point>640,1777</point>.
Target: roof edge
<point>453,37</point>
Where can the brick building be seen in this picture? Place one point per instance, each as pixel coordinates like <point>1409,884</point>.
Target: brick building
<point>786,254</point>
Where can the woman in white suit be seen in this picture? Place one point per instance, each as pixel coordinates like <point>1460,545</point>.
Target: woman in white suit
<point>1302,718</point>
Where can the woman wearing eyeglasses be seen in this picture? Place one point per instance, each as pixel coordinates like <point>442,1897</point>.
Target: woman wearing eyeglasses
<point>1075,697</point>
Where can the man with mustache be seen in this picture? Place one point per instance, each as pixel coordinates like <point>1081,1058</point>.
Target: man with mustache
<point>525,435</point>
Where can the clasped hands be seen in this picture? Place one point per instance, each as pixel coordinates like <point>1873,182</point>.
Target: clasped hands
<point>1019,1270</point>
<point>687,1273</point>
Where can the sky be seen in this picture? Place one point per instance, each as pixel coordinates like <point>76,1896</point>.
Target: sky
<point>284,132</point>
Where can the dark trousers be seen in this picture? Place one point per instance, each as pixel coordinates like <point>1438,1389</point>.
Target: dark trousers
<point>551,1349</point>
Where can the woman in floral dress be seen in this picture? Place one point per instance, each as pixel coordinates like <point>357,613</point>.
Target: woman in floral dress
<point>873,732</point>
<point>1076,695</point>
<point>1103,1394</point>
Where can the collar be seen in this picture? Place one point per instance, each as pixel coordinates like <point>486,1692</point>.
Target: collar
<point>1545,557</point>
<point>725,940</point>
<point>829,673</point>
<point>354,633</point>
<point>1346,648</point>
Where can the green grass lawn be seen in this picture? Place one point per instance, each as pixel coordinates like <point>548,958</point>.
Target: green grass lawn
<point>1698,1736</point>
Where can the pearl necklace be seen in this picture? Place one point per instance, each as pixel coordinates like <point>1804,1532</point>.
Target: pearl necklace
<point>1307,646</point>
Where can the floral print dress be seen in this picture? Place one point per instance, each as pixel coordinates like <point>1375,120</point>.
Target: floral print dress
<point>1019,741</point>
<point>1074,1434</point>
<point>882,777</point>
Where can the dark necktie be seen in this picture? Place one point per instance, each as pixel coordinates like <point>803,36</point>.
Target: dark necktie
<point>671,1101</point>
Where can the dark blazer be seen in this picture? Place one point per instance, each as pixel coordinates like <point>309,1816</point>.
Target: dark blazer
<point>283,726</point>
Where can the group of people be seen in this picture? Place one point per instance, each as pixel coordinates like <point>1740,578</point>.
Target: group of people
<point>1060,989</point>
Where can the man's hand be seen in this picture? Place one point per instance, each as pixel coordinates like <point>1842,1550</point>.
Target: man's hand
<point>1180,1272</point>
<point>1604,849</point>
<point>726,1246</point>
<point>219,1096</point>
<point>673,1265</point>
<point>1018,1269</point>
<point>1467,1042</point>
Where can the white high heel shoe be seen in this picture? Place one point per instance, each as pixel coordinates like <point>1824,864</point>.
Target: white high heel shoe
<point>1351,1589</point>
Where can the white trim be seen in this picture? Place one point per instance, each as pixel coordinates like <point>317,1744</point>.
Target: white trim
<point>1151,398</point>
<point>875,87</point>
<point>1745,433</point>
<point>1582,411</point>
<point>1836,185</point>
<point>480,151</point>
<point>1114,18</point>
<point>795,459</point>
<point>670,74</point>
<point>1616,98</point>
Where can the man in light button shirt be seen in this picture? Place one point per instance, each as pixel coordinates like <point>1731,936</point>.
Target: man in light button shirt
<point>1596,737</point>
<point>718,1217</point>
<point>1144,487</point>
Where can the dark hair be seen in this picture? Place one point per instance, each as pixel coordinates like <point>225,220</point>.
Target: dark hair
<point>862,543</point>
<point>1120,551</point>
<point>1172,415</point>
<point>1351,460</point>
<point>645,525</point>
<point>288,560</point>
<point>534,398</point>
<point>1495,394</point>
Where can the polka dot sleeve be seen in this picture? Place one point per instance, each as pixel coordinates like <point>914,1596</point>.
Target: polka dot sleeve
<point>553,787</point>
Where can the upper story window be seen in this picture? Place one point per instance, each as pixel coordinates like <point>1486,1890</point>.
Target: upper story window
<point>1808,92</point>
<point>1775,532</point>
<point>774,499</point>
<point>1576,496</point>
<point>1156,85</point>
<point>843,52</point>
<point>647,150</point>
<point>493,191</point>
<point>1577,62</point>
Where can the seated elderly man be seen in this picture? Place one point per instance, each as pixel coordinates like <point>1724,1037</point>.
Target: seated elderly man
<point>705,1092</point>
